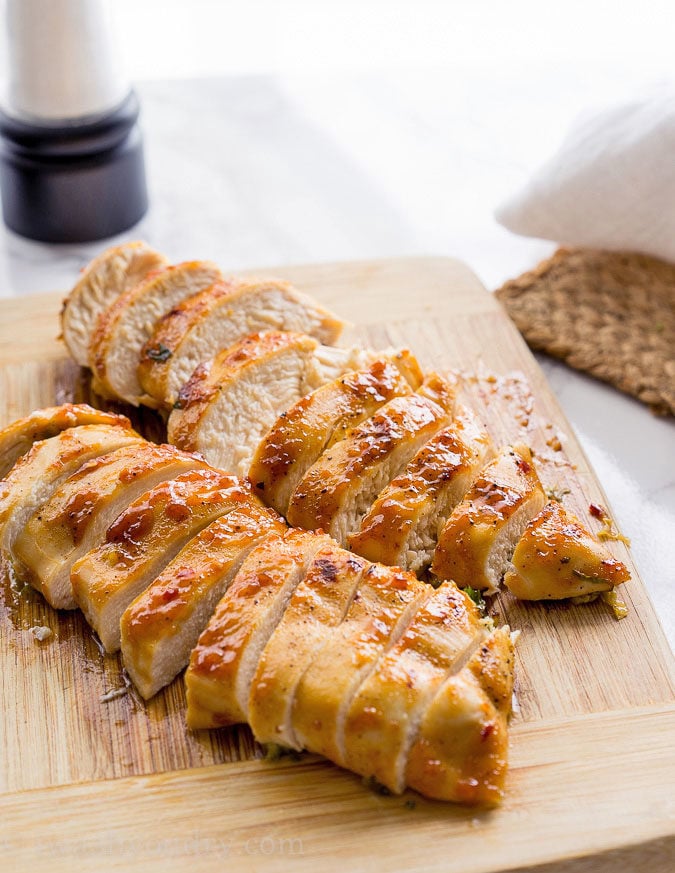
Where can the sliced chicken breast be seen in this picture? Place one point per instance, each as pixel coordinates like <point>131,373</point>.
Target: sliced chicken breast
<point>227,406</point>
<point>76,517</point>
<point>385,600</point>
<point>403,525</point>
<point>557,557</point>
<point>17,438</point>
<point>382,720</point>
<point>37,475</point>
<point>318,604</point>
<point>338,489</point>
<point>478,540</point>
<point>163,624</point>
<point>218,317</point>
<point>461,751</point>
<point>143,539</point>
<point>222,665</point>
<point>112,273</point>
<point>301,433</point>
<point>124,327</point>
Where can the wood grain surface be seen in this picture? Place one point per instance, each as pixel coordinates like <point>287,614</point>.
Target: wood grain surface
<point>124,783</point>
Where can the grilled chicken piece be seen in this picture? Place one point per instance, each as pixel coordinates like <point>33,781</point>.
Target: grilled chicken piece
<point>162,625</point>
<point>462,747</point>
<point>123,328</point>
<point>382,721</point>
<point>318,604</point>
<point>17,438</point>
<point>143,539</point>
<point>218,677</point>
<point>316,421</point>
<point>37,475</point>
<point>112,273</point>
<point>76,517</point>
<point>403,525</point>
<point>227,405</point>
<point>338,489</point>
<point>380,612</point>
<point>557,557</point>
<point>218,317</point>
<point>478,539</point>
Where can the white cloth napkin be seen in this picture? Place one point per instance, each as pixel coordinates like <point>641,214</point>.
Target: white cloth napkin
<point>611,184</point>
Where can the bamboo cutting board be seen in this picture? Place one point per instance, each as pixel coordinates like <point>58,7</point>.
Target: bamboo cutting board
<point>91,780</point>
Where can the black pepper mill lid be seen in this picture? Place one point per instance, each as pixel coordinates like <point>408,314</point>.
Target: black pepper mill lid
<point>71,152</point>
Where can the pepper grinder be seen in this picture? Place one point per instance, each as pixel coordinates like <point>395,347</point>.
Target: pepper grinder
<point>71,152</point>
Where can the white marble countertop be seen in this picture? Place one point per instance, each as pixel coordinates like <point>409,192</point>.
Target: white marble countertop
<point>256,171</point>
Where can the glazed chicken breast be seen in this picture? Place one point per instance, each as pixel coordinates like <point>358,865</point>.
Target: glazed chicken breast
<point>17,438</point>
<point>557,557</point>
<point>382,720</point>
<point>323,417</point>
<point>403,525</point>
<point>124,327</point>
<point>114,272</point>
<point>163,624</point>
<point>225,659</point>
<point>228,405</point>
<point>461,750</point>
<point>36,476</point>
<point>320,649</point>
<point>382,606</point>
<point>199,327</point>
<point>76,517</point>
<point>337,491</point>
<point>478,540</point>
<point>143,539</point>
<point>318,605</point>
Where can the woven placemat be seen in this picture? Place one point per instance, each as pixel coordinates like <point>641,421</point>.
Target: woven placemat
<point>610,314</point>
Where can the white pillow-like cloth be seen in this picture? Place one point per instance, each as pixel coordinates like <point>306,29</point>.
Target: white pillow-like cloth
<point>611,185</point>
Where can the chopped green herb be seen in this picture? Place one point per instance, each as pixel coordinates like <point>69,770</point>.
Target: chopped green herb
<point>557,494</point>
<point>477,597</point>
<point>273,752</point>
<point>410,804</point>
<point>581,575</point>
<point>159,353</point>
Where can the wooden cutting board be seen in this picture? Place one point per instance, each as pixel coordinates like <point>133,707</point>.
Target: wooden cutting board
<point>87,781</point>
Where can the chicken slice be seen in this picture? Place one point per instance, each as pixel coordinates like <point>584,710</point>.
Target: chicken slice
<point>557,557</point>
<point>477,542</point>
<point>17,438</point>
<point>218,677</point>
<point>123,328</point>
<point>76,517</point>
<point>380,612</point>
<point>461,751</point>
<point>37,475</point>
<point>143,539</point>
<point>162,625</point>
<point>227,405</point>
<point>338,489</point>
<point>113,272</point>
<point>403,525</point>
<point>382,721</point>
<point>318,604</point>
<point>198,328</point>
<point>300,434</point>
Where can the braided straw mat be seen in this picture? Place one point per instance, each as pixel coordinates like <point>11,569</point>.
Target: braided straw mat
<point>611,314</point>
